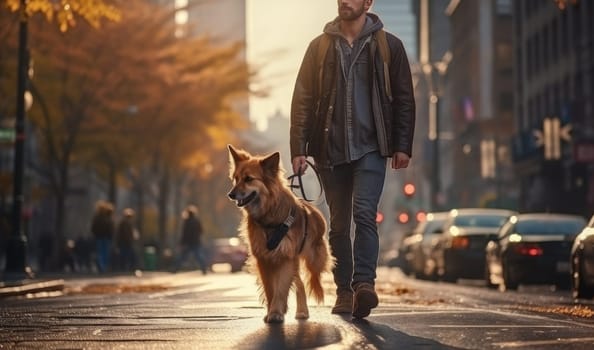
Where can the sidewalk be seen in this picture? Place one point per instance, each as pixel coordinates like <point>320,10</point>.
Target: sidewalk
<point>53,284</point>
<point>30,287</point>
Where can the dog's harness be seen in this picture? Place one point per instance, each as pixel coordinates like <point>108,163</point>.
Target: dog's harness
<point>279,232</point>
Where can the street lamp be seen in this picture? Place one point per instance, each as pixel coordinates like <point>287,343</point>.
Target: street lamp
<point>16,247</point>
<point>434,75</point>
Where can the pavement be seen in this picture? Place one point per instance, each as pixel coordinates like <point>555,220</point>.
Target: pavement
<point>32,286</point>
<point>54,284</point>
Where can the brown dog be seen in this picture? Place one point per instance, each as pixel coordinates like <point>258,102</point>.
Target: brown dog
<point>282,231</point>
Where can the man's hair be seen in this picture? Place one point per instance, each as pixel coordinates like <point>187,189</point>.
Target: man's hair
<point>191,210</point>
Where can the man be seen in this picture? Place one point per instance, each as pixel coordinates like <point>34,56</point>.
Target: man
<point>127,235</point>
<point>351,112</point>
<point>191,239</point>
<point>103,229</point>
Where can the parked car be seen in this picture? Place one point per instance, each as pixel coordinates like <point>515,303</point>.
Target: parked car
<point>582,263</point>
<point>532,249</point>
<point>229,251</point>
<point>460,250</point>
<point>396,256</point>
<point>418,245</point>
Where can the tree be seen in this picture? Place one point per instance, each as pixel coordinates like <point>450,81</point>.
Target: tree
<point>66,12</point>
<point>92,12</point>
<point>88,81</point>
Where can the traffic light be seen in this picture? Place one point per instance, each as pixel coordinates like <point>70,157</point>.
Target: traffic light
<point>403,217</point>
<point>421,216</point>
<point>409,189</point>
<point>379,217</point>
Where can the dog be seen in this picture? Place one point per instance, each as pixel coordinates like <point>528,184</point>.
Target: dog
<point>283,233</point>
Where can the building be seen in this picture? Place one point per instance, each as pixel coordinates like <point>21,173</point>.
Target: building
<point>553,147</point>
<point>480,100</point>
<point>203,18</point>
<point>433,36</point>
<point>398,18</point>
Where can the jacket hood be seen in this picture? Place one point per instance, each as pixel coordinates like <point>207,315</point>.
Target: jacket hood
<point>372,25</point>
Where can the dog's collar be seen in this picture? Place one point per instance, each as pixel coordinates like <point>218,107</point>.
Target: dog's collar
<point>279,232</point>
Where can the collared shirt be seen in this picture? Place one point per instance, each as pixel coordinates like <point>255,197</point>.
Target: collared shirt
<point>353,133</point>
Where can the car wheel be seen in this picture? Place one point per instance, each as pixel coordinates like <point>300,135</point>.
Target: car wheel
<point>446,275</point>
<point>578,289</point>
<point>508,281</point>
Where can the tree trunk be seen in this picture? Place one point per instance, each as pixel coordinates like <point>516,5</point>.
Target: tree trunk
<point>61,192</point>
<point>112,177</point>
<point>163,200</point>
<point>139,189</point>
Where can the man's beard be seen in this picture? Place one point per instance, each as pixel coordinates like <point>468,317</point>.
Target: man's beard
<point>349,14</point>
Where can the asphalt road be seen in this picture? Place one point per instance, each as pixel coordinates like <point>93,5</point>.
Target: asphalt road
<point>222,311</point>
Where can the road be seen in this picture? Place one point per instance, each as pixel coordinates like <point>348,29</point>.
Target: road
<point>222,311</point>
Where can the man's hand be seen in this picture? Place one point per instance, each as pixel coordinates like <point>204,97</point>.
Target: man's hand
<point>299,165</point>
<point>400,160</point>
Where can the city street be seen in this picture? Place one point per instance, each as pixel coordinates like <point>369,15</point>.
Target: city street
<point>221,311</point>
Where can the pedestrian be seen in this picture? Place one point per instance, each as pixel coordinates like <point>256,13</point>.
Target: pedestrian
<point>103,229</point>
<point>191,239</point>
<point>44,250</point>
<point>352,109</point>
<point>126,237</point>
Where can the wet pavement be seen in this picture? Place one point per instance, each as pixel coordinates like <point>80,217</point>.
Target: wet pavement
<point>222,311</point>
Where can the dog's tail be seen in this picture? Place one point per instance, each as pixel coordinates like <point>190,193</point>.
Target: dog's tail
<point>317,262</point>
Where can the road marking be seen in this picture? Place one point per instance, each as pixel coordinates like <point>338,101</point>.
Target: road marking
<point>518,344</point>
<point>494,326</point>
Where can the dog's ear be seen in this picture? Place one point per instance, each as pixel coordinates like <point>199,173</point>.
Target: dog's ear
<point>271,162</point>
<point>236,156</point>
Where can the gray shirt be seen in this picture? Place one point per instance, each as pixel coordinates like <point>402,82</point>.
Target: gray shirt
<point>353,133</point>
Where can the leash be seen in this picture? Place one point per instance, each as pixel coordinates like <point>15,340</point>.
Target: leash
<point>299,185</point>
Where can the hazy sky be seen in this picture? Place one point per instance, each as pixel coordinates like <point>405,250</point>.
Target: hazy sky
<point>278,32</point>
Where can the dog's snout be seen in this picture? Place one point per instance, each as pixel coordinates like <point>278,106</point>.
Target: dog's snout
<point>232,195</point>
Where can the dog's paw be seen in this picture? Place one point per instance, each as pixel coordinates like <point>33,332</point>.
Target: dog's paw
<point>274,317</point>
<point>303,315</point>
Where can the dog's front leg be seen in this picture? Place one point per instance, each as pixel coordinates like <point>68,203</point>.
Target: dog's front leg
<point>302,310</point>
<point>281,284</point>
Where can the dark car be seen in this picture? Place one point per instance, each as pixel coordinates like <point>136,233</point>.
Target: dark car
<point>418,245</point>
<point>582,263</point>
<point>231,251</point>
<point>532,249</point>
<point>460,250</point>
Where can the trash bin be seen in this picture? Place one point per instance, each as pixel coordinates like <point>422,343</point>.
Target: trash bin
<point>150,258</point>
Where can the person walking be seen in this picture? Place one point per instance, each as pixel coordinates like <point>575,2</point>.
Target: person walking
<point>127,235</point>
<point>103,229</point>
<point>191,239</point>
<point>352,109</point>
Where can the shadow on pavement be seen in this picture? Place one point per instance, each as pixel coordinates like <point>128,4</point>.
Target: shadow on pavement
<point>385,337</point>
<point>303,335</point>
<point>308,335</point>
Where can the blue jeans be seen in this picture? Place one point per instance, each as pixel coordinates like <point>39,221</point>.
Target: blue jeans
<point>195,250</point>
<point>353,192</point>
<point>103,246</point>
<point>127,258</point>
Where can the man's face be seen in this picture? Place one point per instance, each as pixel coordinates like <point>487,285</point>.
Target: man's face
<point>350,10</point>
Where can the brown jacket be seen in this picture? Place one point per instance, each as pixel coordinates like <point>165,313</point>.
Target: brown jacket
<point>312,110</point>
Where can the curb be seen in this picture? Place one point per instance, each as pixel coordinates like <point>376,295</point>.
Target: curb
<point>27,287</point>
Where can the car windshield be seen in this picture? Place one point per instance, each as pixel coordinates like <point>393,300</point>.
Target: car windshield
<point>540,227</point>
<point>480,220</point>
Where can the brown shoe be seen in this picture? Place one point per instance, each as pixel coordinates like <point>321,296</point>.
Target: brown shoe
<point>365,300</point>
<point>344,303</point>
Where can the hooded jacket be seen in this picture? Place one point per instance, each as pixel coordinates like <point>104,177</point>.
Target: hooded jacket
<point>313,112</point>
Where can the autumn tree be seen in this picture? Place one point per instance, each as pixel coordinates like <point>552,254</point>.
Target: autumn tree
<point>131,98</point>
<point>65,15</point>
